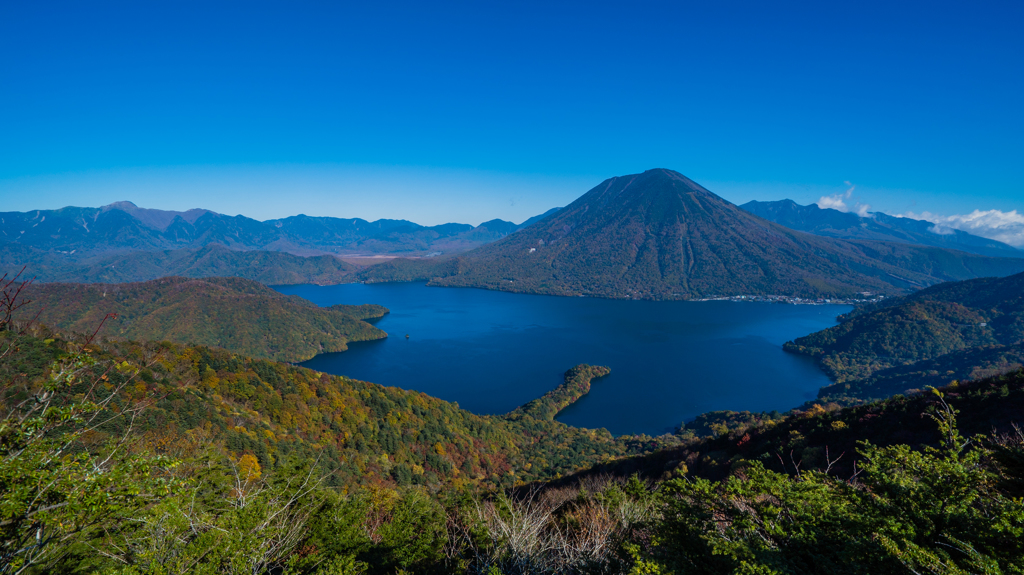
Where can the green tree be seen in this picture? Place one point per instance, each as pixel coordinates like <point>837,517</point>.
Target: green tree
<point>938,510</point>
<point>61,483</point>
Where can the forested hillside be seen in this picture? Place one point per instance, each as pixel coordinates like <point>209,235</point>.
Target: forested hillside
<point>268,267</point>
<point>950,331</point>
<point>239,315</point>
<point>362,432</point>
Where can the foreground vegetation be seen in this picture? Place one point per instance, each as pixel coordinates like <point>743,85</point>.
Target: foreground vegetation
<point>361,432</point>
<point>158,458</point>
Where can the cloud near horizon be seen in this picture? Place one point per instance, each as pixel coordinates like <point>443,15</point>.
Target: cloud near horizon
<point>838,202</point>
<point>1006,227</point>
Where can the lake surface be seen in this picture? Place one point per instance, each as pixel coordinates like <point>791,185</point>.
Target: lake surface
<point>493,351</point>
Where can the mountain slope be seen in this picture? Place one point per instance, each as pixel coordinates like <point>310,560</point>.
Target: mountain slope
<point>660,235</point>
<point>949,331</point>
<point>878,226</point>
<point>537,218</point>
<point>239,315</point>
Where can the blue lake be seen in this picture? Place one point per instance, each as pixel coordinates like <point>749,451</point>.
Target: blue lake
<point>492,351</point>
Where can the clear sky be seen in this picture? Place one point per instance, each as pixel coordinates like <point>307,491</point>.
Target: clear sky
<point>467,111</point>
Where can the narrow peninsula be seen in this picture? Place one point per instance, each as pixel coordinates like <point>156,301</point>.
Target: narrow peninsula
<point>575,385</point>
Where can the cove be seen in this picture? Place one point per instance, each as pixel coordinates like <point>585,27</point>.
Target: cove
<point>492,351</point>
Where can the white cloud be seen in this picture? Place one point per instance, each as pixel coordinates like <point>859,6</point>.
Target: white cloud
<point>838,202</point>
<point>941,230</point>
<point>833,203</point>
<point>1006,227</point>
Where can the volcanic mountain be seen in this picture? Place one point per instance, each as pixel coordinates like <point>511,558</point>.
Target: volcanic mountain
<point>659,235</point>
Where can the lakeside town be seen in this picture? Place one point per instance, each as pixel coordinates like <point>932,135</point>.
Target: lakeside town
<point>865,298</point>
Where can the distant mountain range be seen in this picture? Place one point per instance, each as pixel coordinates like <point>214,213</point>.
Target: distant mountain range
<point>877,226</point>
<point>655,235</point>
<point>122,226</point>
<point>659,235</point>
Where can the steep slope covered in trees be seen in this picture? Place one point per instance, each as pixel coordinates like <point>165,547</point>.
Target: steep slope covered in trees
<point>893,486</point>
<point>946,332</point>
<point>191,460</point>
<point>811,438</point>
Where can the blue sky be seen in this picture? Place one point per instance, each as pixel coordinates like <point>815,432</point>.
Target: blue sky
<point>444,111</point>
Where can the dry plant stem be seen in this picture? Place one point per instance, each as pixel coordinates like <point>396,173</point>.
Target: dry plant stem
<point>10,292</point>
<point>88,414</point>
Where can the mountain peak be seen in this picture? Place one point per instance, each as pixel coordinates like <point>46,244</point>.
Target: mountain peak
<point>156,219</point>
<point>122,205</point>
<point>658,180</point>
<point>656,191</point>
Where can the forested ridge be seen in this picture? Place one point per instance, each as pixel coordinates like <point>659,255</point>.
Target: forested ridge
<point>955,330</point>
<point>213,260</point>
<point>123,227</point>
<point>240,315</point>
<point>575,384</point>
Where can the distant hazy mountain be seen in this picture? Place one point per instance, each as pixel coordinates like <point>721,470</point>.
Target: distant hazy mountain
<point>660,235</point>
<point>123,227</point>
<point>879,226</point>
